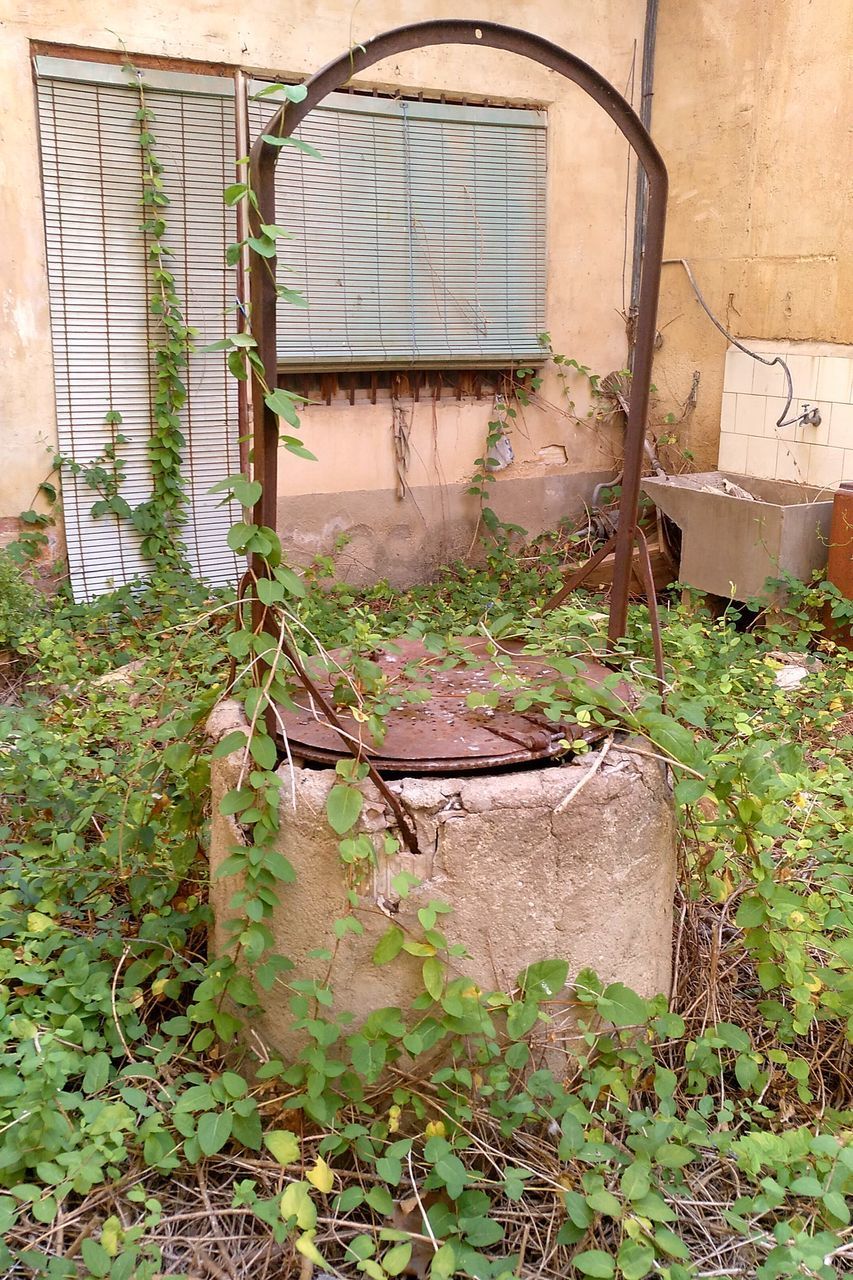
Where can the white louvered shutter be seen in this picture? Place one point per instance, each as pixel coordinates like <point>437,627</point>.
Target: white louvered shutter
<point>101,327</point>
<point>418,236</point>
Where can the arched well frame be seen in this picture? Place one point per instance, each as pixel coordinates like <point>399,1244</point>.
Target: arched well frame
<point>263,292</point>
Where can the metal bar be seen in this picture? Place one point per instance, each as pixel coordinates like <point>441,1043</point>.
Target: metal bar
<point>580,575</point>
<point>648,579</point>
<point>404,824</point>
<point>646,95</point>
<point>244,403</point>
<point>635,431</point>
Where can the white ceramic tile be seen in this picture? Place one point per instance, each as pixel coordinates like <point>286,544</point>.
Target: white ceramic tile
<point>732,456</point>
<point>847,465</point>
<point>727,412</point>
<point>761,457</point>
<point>825,467</point>
<point>768,380</point>
<point>749,415</point>
<point>792,460</point>
<point>739,367</point>
<point>804,371</point>
<point>841,426</point>
<point>834,378</point>
<point>773,407</point>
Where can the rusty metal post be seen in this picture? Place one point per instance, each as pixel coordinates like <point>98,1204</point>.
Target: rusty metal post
<point>492,35</point>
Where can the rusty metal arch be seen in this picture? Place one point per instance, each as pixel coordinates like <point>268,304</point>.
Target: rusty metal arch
<point>263,292</point>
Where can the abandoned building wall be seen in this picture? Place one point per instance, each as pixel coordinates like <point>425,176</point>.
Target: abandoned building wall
<point>752,110</point>
<point>587,264</point>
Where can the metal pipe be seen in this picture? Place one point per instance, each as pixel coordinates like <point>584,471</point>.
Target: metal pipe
<point>244,405</point>
<point>647,81</point>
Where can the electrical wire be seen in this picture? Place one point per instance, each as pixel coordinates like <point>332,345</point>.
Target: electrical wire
<point>780,421</point>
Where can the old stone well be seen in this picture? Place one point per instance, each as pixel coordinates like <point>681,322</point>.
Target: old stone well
<point>537,860</point>
<point>538,853</point>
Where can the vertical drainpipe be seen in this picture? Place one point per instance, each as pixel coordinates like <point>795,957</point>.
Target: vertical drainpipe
<point>641,197</point>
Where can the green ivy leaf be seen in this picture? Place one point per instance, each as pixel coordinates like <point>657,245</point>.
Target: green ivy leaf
<point>282,1145</point>
<point>234,741</point>
<point>622,1006</point>
<point>397,1259</point>
<point>263,750</point>
<point>543,980</point>
<point>521,1017</point>
<point>343,806</point>
<point>247,492</point>
<point>636,1180</point>
<point>594,1262</point>
<point>291,581</point>
<point>674,1156</point>
<point>96,1258</point>
<point>214,1130</point>
<point>262,245</point>
<point>690,790</point>
<point>635,1259</point>
<point>389,945</point>
<point>283,406</point>
<point>836,1205</point>
<point>433,976</point>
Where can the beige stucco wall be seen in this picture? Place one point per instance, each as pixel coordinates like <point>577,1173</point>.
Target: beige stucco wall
<point>587,166</point>
<point>752,110</point>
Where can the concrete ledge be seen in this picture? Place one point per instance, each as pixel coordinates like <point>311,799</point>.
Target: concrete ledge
<point>407,540</point>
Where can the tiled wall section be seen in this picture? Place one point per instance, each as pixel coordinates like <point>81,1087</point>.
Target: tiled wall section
<point>754,397</point>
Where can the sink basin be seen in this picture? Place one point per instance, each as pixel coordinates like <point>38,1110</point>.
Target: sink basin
<point>731,544</point>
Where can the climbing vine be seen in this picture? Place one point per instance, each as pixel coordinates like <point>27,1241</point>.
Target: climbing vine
<point>159,519</point>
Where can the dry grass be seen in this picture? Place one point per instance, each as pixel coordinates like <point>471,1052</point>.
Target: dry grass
<point>203,1235</point>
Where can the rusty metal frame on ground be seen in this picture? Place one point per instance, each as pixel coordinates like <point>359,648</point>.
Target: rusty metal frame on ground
<point>263,285</point>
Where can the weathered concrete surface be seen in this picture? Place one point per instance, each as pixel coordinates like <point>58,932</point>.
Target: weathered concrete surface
<point>592,882</point>
<point>407,540</point>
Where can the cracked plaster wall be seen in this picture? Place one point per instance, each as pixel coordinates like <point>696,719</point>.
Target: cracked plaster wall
<point>752,107</point>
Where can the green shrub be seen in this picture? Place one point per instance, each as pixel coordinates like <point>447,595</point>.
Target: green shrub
<point>18,600</point>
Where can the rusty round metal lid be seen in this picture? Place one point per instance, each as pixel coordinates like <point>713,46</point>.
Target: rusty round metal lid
<point>443,734</point>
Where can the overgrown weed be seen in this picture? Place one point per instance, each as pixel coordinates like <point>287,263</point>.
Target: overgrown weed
<point>714,1143</point>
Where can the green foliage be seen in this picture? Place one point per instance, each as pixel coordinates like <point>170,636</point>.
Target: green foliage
<point>159,519</point>
<point>480,484</point>
<point>111,1013</point>
<point>18,600</point>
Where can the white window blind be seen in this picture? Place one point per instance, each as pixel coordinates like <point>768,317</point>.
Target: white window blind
<point>418,236</point>
<point>101,327</point>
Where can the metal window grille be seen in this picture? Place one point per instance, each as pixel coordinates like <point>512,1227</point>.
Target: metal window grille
<point>101,327</point>
<point>418,237</point>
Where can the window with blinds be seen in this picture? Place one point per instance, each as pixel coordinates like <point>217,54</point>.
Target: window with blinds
<point>418,234</point>
<point>101,327</point>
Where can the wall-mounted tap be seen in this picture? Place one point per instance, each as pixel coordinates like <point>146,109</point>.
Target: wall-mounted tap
<point>810,417</point>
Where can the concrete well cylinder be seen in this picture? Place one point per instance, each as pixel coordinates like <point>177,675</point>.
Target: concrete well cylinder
<point>533,864</point>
